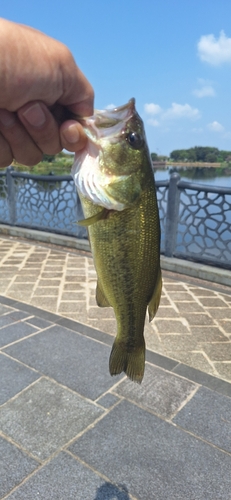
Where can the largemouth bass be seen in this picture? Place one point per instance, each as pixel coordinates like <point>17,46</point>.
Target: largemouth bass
<point>115,182</point>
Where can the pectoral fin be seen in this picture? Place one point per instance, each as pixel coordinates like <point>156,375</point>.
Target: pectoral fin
<point>155,300</point>
<point>100,297</point>
<point>94,218</point>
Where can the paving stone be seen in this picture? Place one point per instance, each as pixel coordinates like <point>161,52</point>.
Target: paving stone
<point>212,302</point>
<point>14,332</point>
<point>39,322</point>
<point>12,317</point>
<point>46,291</point>
<point>226,325</point>
<point>72,295</point>
<point>48,303</point>
<point>15,465</point>
<point>46,416</point>
<point>164,301</point>
<point>221,314</point>
<point>199,319</point>
<point>159,360</point>
<point>224,370</point>
<point>179,342</point>
<point>170,326</point>
<point>208,334</point>
<point>218,351</point>
<point>153,458</point>
<point>166,312</point>
<point>19,296</point>
<point>24,279</point>
<point>196,359</point>
<point>108,400</point>
<point>76,287</point>
<point>66,478</point>
<point>173,287</point>
<point>208,415</point>
<point>106,325</point>
<point>203,378</point>
<point>182,296</point>
<point>188,307</point>
<point>160,391</point>
<point>47,274</point>
<point>49,282</point>
<point>14,378</point>
<point>95,313</point>
<point>75,307</point>
<point>83,365</point>
<point>201,292</point>
<point>5,309</point>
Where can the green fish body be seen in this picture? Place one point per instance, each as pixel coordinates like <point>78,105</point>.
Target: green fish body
<point>121,213</point>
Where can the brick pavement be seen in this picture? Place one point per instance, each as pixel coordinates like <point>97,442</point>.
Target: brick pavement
<point>193,324</point>
<point>70,431</point>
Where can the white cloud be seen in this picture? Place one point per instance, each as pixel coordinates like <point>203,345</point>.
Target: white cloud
<point>176,111</point>
<point>152,109</point>
<point>153,122</point>
<point>215,127</point>
<point>110,106</point>
<point>215,51</point>
<point>205,91</point>
<point>181,111</point>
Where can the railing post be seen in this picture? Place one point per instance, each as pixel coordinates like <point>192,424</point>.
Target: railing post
<point>11,195</point>
<point>172,215</point>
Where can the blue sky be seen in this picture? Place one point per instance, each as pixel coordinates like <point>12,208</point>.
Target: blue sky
<point>173,56</point>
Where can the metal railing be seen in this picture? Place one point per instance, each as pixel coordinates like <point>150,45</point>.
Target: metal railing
<point>195,218</point>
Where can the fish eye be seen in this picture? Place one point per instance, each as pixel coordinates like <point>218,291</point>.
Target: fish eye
<point>135,140</point>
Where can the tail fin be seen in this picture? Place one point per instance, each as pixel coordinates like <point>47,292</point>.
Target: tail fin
<point>132,363</point>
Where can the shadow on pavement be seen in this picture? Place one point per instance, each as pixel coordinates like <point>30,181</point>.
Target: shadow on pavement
<point>109,491</point>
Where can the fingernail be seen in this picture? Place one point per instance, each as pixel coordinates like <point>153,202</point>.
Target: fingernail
<point>6,118</point>
<point>71,134</point>
<point>35,115</point>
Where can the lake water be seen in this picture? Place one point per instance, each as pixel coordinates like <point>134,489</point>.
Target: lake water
<point>209,176</point>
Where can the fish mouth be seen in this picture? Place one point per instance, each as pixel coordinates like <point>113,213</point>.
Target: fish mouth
<point>92,181</point>
<point>108,123</point>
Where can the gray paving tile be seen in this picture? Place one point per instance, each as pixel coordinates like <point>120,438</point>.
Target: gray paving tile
<point>14,378</point>
<point>66,478</point>
<point>49,316</point>
<point>14,466</point>
<point>202,378</point>
<point>12,317</point>
<point>4,309</point>
<point>155,459</point>
<point>14,332</point>
<point>108,400</point>
<point>160,360</point>
<point>39,322</point>
<point>45,417</point>
<point>86,330</point>
<point>76,361</point>
<point>160,391</point>
<point>208,415</point>
<point>6,300</point>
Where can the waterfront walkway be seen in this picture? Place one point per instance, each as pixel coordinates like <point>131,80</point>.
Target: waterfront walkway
<point>68,429</point>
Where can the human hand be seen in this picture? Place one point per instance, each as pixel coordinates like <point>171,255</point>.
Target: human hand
<point>39,85</point>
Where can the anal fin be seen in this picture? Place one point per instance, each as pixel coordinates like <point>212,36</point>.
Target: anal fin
<point>101,300</point>
<point>155,299</point>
